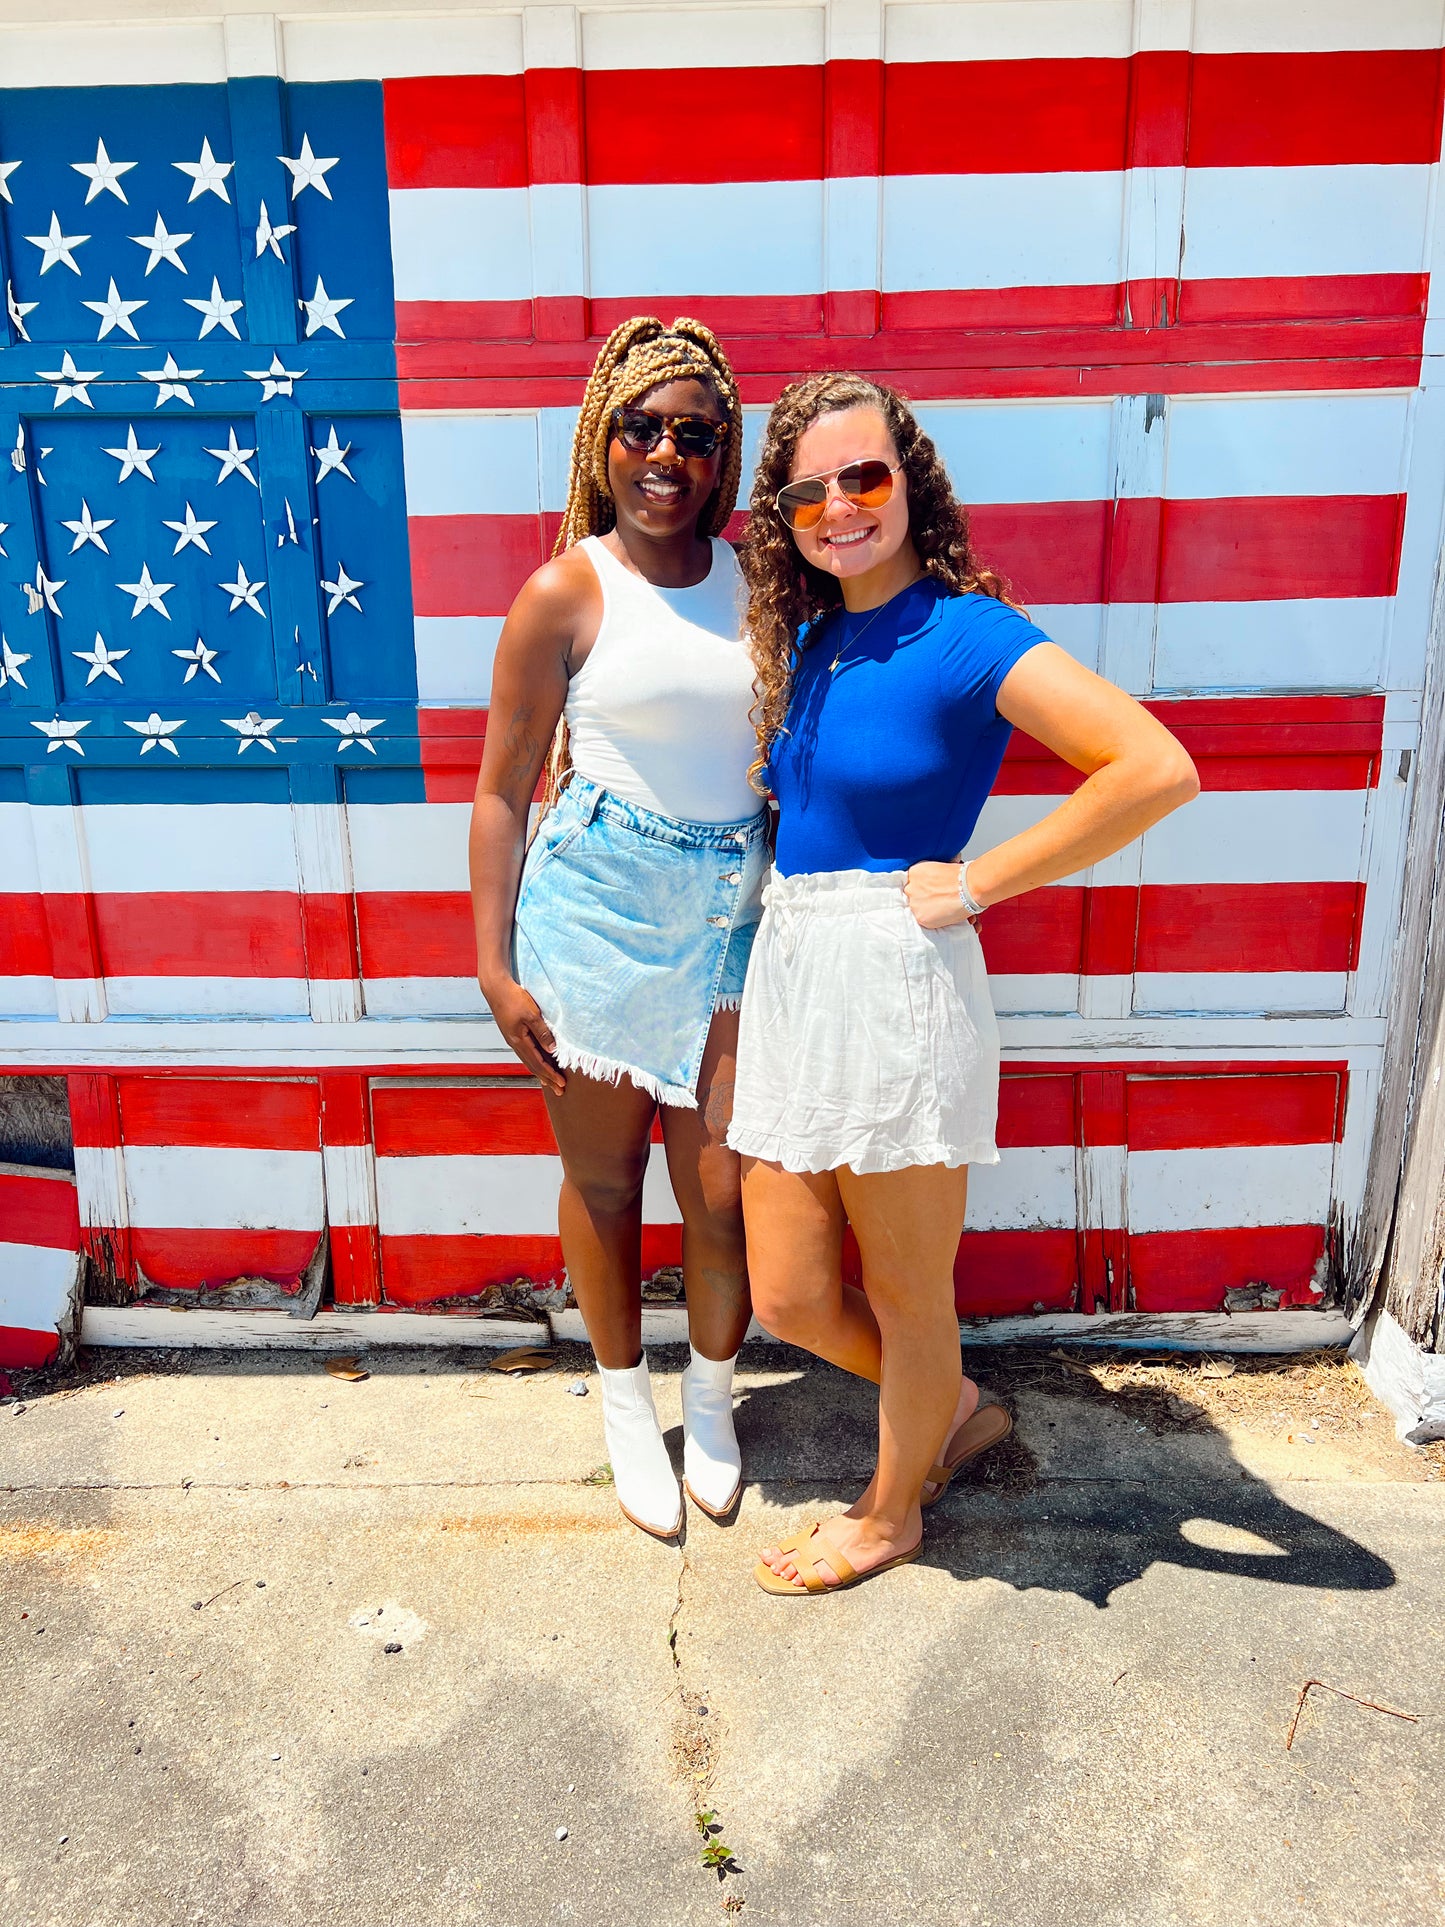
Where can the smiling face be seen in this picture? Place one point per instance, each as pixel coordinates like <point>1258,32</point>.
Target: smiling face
<point>850,542</point>
<point>663,493</point>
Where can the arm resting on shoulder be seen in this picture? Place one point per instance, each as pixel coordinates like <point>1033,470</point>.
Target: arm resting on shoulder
<point>1135,773</point>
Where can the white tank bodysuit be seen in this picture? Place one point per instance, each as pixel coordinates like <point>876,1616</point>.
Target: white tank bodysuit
<point>659,713</point>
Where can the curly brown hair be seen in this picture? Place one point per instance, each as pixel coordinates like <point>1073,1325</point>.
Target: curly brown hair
<point>788,597</point>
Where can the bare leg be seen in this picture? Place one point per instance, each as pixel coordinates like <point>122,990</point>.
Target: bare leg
<point>602,1133</point>
<point>706,1182</point>
<point>907,1224</point>
<point>795,1227</point>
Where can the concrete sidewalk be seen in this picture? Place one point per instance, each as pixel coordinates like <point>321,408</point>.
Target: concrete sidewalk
<point>1073,1708</point>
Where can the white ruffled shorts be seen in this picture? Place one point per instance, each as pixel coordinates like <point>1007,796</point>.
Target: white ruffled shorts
<point>865,1040</point>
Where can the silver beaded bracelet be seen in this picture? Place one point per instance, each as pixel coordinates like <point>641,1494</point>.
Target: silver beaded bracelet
<point>965,896</point>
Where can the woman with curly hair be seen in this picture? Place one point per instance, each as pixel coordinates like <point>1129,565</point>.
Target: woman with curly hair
<point>891,667</point>
<point>612,957</point>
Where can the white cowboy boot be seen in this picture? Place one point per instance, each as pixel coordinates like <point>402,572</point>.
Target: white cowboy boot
<point>712,1464</point>
<point>642,1473</point>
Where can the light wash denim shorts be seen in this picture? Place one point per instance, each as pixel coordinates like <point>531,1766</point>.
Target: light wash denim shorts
<point>632,928</point>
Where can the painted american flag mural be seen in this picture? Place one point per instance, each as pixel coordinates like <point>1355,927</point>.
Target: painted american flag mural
<point>298,313</point>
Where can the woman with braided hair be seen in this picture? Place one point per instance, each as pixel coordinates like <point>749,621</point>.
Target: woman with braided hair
<point>612,957</point>
<point>891,665</point>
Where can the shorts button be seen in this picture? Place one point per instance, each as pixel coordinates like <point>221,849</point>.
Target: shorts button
<point>720,922</point>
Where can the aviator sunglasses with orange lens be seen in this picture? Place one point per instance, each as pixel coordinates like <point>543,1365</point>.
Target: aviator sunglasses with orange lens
<point>640,430</point>
<point>865,485</point>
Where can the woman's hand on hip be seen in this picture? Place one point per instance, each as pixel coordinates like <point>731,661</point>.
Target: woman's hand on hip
<point>520,1020</point>
<point>932,893</point>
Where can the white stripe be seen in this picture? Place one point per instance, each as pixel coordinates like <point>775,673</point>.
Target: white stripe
<point>729,238</point>
<point>37,1286</point>
<point>1311,643</point>
<point>1266,992</point>
<point>1260,836</point>
<point>485,1196</point>
<point>461,244</point>
<point>423,997</point>
<point>19,872</point>
<point>1255,1184</point>
<point>409,846</point>
<point>206,996</point>
<point>1023,451</point>
<point>1033,993</point>
<point>357,48</point>
<point>205,1188</point>
<point>471,464</point>
<point>1001,230</point>
<point>454,657</point>
<point>350,1184</point>
<point>770,36</point>
<point>853,213</point>
<point>1250,222</point>
<point>1286,445</point>
<point>92,53</point>
<point>1244,26</point>
<point>27,997</point>
<point>1030,1186</point>
<point>190,846</point>
<point>1004,30</point>
<point>1075,626</point>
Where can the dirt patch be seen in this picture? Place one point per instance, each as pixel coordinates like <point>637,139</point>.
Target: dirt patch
<point>24,1540</point>
<point>1322,1392</point>
<point>549,1524</point>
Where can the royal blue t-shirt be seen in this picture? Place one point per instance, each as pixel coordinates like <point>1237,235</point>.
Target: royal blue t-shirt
<point>887,760</point>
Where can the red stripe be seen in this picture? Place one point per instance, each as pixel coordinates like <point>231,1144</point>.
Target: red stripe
<point>24,937</point>
<point>951,366</point>
<point>1235,550</point>
<point>200,933</point>
<point>419,1270</point>
<point>554,108</point>
<point>1257,927</point>
<point>1316,109</point>
<point>25,1350</point>
<point>1192,1270</point>
<point>1005,116</point>
<point>191,1260</point>
<point>460,130</point>
<point>1036,1107</point>
<point>231,1114</point>
<point>38,1209</point>
<point>1186,1112</point>
<point>355,1264</point>
<point>1045,115</point>
<point>471,565</point>
<point>1238,743</point>
<point>1249,926</point>
<point>329,935</point>
<point>415,933</point>
<point>451,752</point>
<point>1314,297</point>
<point>729,315</point>
<point>751,124</point>
<point>1267,547</point>
<point>452,1122</point>
<point>998,1274</point>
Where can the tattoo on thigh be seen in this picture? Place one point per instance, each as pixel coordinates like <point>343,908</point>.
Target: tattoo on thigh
<point>718,1111</point>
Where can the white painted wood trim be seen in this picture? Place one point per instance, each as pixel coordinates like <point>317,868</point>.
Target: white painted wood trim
<point>149,1326</point>
<point>1263,1333</point>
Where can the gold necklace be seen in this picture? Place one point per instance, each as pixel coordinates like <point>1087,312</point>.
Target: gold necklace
<point>848,641</point>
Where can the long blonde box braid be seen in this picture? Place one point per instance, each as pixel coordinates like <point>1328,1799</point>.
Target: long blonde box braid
<point>640,355</point>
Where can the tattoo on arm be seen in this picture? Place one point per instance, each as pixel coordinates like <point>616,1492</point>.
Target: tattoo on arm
<point>521,749</point>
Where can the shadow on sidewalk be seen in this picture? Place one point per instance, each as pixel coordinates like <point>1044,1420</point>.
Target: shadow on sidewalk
<point>1088,1531</point>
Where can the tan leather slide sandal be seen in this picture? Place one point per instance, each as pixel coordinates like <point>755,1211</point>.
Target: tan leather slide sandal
<point>824,1553</point>
<point>989,1425</point>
